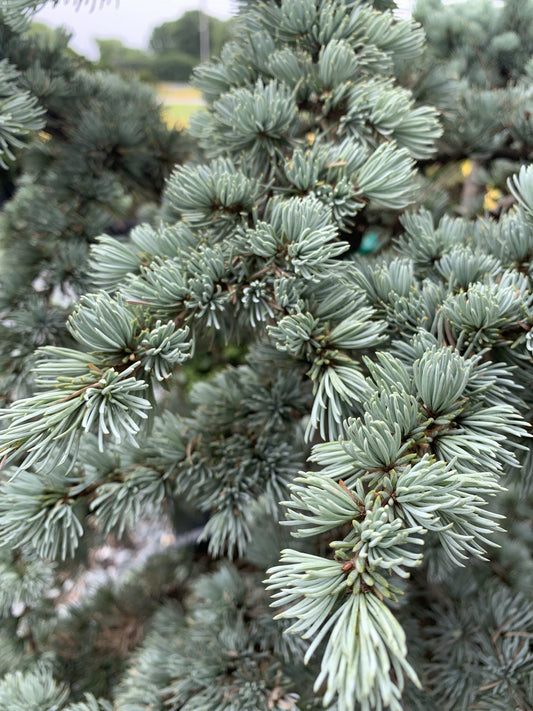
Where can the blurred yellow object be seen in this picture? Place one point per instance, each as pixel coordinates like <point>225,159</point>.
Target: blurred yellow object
<point>466,167</point>
<point>179,102</point>
<point>170,93</point>
<point>178,116</point>
<point>492,196</point>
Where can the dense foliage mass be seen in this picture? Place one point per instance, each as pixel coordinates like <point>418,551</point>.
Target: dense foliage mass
<point>477,70</point>
<point>380,412</point>
<point>102,151</point>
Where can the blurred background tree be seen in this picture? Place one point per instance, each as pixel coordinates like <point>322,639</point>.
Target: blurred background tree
<point>183,34</point>
<point>174,48</point>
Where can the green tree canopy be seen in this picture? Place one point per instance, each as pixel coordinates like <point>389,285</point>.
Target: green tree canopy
<point>114,54</point>
<point>183,35</point>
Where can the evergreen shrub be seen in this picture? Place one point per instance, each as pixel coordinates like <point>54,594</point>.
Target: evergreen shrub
<point>376,433</point>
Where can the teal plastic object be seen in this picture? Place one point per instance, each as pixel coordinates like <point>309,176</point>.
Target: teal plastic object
<point>369,243</point>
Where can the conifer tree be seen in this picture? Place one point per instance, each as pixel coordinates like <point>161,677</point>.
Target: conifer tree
<point>477,70</point>
<point>102,151</point>
<point>354,472</point>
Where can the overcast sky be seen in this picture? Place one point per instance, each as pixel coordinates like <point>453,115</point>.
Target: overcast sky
<point>131,21</point>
